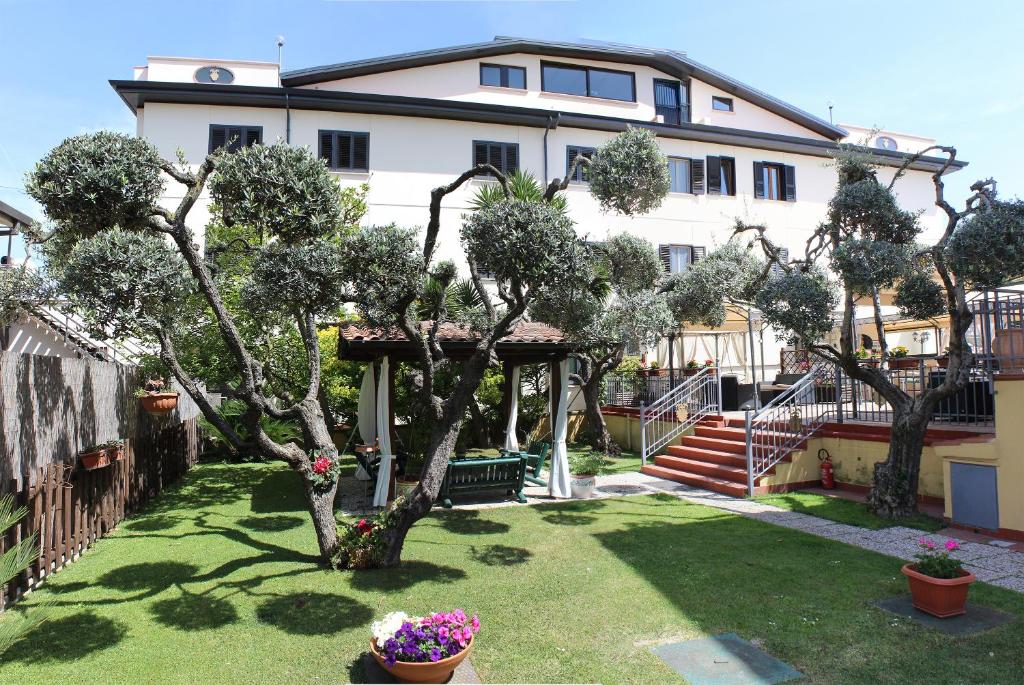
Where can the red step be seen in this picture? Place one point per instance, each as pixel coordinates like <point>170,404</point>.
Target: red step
<point>704,468</point>
<point>726,487</point>
<point>715,444</point>
<point>713,456</point>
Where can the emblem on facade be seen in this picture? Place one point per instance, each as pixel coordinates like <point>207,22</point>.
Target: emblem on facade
<point>213,74</point>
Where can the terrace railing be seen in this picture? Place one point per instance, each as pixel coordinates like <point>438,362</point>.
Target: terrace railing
<point>679,409</point>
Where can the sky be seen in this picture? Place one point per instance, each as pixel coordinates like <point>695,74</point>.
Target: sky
<point>953,71</point>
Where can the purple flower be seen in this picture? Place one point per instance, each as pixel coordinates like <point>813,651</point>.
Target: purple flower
<point>435,654</point>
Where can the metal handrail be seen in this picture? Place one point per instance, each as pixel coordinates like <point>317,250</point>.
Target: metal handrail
<point>678,410</point>
<point>774,430</point>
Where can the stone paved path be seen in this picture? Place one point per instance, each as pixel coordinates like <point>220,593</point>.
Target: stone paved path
<point>993,564</point>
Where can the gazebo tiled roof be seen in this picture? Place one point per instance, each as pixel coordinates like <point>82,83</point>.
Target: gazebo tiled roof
<point>528,342</point>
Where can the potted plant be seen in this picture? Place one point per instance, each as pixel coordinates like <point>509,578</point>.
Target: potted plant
<point>709,364</point>
<point>654,369</point>
<point>866,356</point>
<point>94,457</point>
<point>155,399</point>
<point>583,468</point>
<point>938,582</point>
<point>691,368</point>
<point>410,478</point>
<point>115,449</point>
<point>900,360</point>
<point>423,649</point>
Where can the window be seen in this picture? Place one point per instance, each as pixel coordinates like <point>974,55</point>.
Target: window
<point>720,104</point>
<point>774,181</point>
<point>502,156</point>
<point>677,258</point>
<point>234,137</point>
<point>777,269</point>
<point>686,175</point>
<point>581,174</point>
<point>670,101</point>
<point>570,79</point>
<point>721,176</point>
<point>502,76</point>
<point>345,150</point>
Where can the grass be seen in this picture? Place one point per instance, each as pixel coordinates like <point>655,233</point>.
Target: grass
<point>623,463</point>
<point>216,582</point>
<point>846,511</point>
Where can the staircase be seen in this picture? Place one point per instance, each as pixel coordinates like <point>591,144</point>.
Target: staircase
<point>713,458</point>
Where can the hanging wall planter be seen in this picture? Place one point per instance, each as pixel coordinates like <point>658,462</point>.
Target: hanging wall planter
<point>95,457</point>
<point>155,399</point>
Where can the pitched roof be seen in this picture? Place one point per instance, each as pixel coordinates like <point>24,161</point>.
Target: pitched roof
<point>667,61</point>
<point>524,332</point>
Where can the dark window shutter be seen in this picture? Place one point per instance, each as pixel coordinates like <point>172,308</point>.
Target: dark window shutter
<point>344,144</point>
<point>480,154</point>
<point>697,252</point>
<point>360,151</point>
<point>777,269</point>
<point>570,154</point>
<point>218,137</point>
<point>759,179</point>
<point>511,158</point>
<point>253,136</point>
<point>790,183</point>
<point>665,252</point>
<point>714,175</point>
<point>327,149</point>
<point>696,176</point>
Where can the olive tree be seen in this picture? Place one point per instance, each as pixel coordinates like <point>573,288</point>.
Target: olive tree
<point>134,267</point>
<point>871,245</point>
<point>616,302</point>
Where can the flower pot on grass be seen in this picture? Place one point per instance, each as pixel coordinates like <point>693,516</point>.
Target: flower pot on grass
<point>938,583</point>
<point>422,672</point>
<point>583,469</point>
<point>425,649</point>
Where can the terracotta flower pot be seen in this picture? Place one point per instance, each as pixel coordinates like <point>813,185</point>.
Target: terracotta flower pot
<point>942,597</point>
<point>403,488</point>
<point>116,453</point>
<point>943,362</point>
<point>94,460</point>
<point>159,402</point>
<point>425,672</point>
<point>903,363</point>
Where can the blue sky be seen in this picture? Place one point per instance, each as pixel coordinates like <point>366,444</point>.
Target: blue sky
<point>947,70</point>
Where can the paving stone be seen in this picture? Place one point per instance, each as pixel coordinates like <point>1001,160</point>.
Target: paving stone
<point>904,533</point>
<point>970,551</point>
<point>893,548</point>
<point>725,660</point>
<point>976,619</point>
<point>1007,564</point>
<point>986,575</point>
<point>840,532</point>
<point>1015,583</point>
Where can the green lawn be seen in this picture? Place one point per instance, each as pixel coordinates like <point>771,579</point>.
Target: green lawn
<point>216,583</point>
<point>845,511</point>
<point>625,462</point>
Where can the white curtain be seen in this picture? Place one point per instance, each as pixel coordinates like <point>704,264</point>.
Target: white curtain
<point>558,481</point>
<point>367,415</point>
<point>380,493</point>
<point>511,441</point>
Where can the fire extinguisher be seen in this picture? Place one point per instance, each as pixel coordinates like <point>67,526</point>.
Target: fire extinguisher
<point>828,481</point>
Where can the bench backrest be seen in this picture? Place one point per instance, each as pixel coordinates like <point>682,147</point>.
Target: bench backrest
<point>500,470</point>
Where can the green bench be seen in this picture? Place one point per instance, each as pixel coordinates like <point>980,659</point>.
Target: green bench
<point>475,475</point>
<point>536,456</point>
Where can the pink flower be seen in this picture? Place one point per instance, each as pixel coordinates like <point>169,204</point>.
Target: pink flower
<point>321,465</point>
<point>467,634</point>
<point>459,615</point>
<point>952,545</point>
<point>442,633</point>
<point>476,624</point>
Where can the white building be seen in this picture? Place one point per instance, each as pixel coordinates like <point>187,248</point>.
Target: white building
<point>408,123</point>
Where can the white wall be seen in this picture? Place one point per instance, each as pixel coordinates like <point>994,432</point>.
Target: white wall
<point>28,335</point>
<point>183,69</point>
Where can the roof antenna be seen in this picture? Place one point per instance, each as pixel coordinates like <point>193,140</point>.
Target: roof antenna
<point>830,106</point>
<point>280,48</point>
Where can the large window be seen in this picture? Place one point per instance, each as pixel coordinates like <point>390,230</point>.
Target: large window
<point>773,181</point>
<point>678,258</point>
<point>502,156</point>
<point>721,176</point>
<point>685,175</point>
<point>345,150</point>
<point>571,79</point>
<point>502,76</point>
<point>581,173</point>
<point>234,137</point>
<point>670,101</point>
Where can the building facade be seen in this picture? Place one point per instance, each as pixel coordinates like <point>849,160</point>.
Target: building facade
<point>406,124</point>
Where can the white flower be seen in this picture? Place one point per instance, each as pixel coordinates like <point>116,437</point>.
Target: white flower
<point>385,629</point>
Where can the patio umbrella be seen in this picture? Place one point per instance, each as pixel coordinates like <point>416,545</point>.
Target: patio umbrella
<point>380,494</point>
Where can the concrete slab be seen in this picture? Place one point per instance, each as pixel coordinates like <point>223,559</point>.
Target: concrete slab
<point>978,618</point>
<point>725,660</point>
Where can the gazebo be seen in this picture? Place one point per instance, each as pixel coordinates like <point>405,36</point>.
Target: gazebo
<point>527,343</point>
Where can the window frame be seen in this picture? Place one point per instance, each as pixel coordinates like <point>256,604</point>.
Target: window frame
<point>586,69</point>
<point>503,75</point>
<point>684,102</point>
<point>577,176</point>
<point>767,169</point>
<point>689,175</point>
<point>244,128</point>
<point>504,155</point>
<point>716,99</point>
<point>335,149</point>
<point>726,172</point>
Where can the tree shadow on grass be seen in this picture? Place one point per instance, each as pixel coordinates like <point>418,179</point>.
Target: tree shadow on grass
<point>150,576</point>
<point>405,576</point>
<point>279,491</point>
<point>194,612</point>
<point>468,522</point>
<point>270,524</point>
<point>151,524</point>
<point>500,555</point>
<point>313,613</point>
<point>567,518</point>
<point>67,639</point>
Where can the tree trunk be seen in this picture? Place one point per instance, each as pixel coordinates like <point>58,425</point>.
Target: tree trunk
<point>321,509</point>
<point>597,429</point>
<point>894,488</point>
<point>479,425</point>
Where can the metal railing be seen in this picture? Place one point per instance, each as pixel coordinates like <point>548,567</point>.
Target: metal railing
<point>632,391</point>
<point>694,398</point>
<point>776,429</point>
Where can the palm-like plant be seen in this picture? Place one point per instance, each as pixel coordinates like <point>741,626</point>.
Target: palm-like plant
<point>12,562</point>
<point>521,186</point>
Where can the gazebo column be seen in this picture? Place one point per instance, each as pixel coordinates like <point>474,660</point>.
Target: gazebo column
<point>558,387</point>
<point>510,404</point>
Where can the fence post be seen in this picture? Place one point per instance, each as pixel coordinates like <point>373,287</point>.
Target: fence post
<point>839,393</point>
<point>750,455</point>
<point>718,388</point>
<point>643,437</point>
